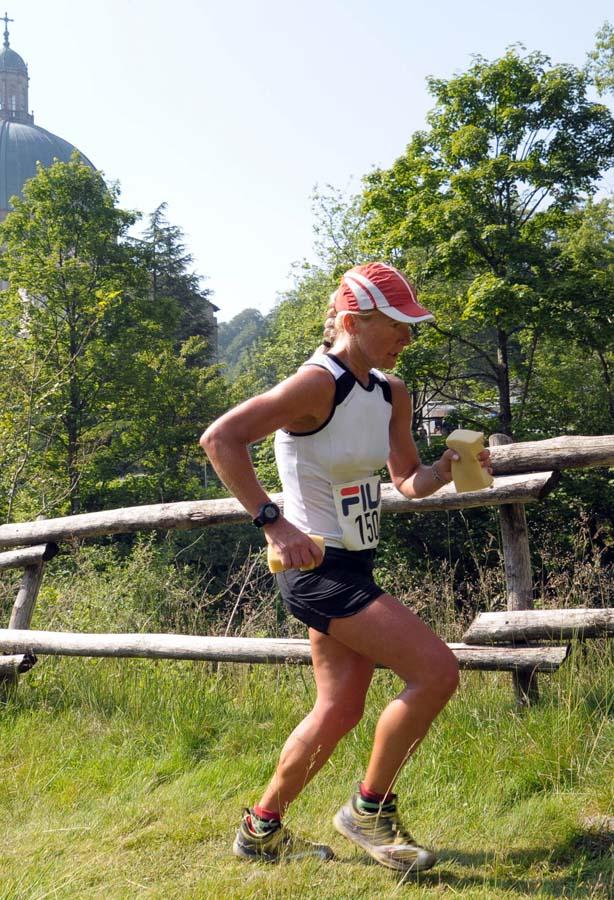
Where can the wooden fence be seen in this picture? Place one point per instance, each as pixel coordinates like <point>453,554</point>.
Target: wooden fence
<point>524,473</point>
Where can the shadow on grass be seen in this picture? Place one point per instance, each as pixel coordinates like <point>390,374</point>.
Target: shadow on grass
<point>586,858</point>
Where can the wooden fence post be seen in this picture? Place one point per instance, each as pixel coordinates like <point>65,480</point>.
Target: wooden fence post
<point>23,608</point>
<point>519,582</point>
<point>21,617</point>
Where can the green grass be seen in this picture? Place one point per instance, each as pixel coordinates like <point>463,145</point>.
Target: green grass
<point>127,778</point>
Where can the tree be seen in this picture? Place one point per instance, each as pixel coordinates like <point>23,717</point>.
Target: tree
<point>236,337</point>
<point>71,306</point>
<point>172,278</point>
<point>88,364</point>
<point>338,226</point>
<point>601,60</point>
<point>475,203</point>
<point>583,307</point>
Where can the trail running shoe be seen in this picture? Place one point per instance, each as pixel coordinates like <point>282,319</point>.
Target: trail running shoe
<point>382,836</point>
<point>274,843</point>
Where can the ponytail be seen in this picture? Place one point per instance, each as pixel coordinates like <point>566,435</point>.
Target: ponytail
<point>334,319</point>
<point>330,328</point>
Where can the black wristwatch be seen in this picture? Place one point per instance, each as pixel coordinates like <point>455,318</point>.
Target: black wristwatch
<point>267,514</point>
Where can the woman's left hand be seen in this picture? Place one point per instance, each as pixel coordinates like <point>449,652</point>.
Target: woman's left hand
<point>444,463</point>
<point>485,461</point>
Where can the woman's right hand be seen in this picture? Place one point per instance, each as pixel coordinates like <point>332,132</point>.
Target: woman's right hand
<point>294,547</point>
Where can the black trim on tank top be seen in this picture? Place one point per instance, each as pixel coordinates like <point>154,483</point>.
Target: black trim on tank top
<point>343,387</point>
<point>386,390</point>
<point>373,379</point>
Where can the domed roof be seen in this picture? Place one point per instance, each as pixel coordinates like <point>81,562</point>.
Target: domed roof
<point>12,62</point>
<point>21,147</point>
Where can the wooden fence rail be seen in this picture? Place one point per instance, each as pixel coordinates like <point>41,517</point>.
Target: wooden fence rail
<point>540,624</point>
<point>202,513</point>
<point>13,666</point>
<point>567,452</point>
<point>28,556</point>
<point>249,650</point>
<point>525,473</point>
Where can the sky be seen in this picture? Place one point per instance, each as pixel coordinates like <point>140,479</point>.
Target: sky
<point>233,112</point>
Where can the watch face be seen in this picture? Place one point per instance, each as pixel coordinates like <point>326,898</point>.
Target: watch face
<point>267,514</point>
<point>270,513</point>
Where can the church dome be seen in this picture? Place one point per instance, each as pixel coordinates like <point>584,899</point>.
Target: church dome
<point>12,62</point>
<point>22,146</point>
<point>22,143</point>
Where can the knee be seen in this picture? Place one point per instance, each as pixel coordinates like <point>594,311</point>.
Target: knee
<point>441,680</point>
<point>341,716</point>
<point>449,676</point>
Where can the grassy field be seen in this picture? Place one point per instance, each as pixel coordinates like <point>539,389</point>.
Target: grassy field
<point>127,778</point>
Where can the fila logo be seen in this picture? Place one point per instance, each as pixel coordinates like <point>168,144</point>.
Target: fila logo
<point>360,494</point>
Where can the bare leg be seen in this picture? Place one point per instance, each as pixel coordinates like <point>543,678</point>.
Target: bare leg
<point>389,633</point>
<point>342,679</point>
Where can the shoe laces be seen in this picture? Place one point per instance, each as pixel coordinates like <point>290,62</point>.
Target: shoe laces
<point>260,827</point>
<point>387,826</point>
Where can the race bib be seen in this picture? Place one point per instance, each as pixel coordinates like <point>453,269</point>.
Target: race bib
<point>358,511</point>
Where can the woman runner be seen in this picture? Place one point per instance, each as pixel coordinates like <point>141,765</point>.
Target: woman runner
<point>338,420</point>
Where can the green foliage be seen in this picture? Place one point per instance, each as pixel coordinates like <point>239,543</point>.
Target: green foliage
<point>513,146</point>
<point>172,280</point>
<point>111,587</point>
<point>601,60</point>
<point>236,337</point>
<point>70,319</point>
<point>582,309</point>
<point>293,333</point>
<point>101,403</point>
<point>338,229</point>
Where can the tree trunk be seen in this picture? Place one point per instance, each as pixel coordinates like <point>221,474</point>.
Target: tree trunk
<point>503,383</point>
<point>72,420</point>
<point>607,379</point>
<point>527,380</point>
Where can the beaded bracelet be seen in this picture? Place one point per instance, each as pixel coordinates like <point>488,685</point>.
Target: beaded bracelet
<point>437,476</point>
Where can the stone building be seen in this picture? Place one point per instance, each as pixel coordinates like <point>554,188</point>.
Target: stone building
<point>22,143</point>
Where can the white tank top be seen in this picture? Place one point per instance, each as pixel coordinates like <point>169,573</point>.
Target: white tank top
<point>350,446</point>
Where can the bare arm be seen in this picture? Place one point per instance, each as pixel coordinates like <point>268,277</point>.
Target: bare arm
<point>409,475</point>
<point>300,403</point>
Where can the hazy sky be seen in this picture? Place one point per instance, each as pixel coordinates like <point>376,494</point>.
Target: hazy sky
<point>233,111</point>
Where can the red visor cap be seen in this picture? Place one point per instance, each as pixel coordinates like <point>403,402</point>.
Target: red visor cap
<point>382,287</point>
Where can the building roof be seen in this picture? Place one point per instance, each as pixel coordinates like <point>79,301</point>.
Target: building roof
<point>22,143</point>
<point>21,147</point>
<point>12,62</point>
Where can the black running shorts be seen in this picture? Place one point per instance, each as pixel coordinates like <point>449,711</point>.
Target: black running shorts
<point>340,587</point>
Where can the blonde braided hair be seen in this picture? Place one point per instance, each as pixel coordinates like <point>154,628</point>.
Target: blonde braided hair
<point>333,320</point>
<point>330,324</point>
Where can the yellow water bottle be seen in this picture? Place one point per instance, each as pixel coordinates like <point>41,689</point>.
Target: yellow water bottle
<point>467,472</point>
<point>275,563</point>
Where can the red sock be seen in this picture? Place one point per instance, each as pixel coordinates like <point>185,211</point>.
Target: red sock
<point>268,815</point>
<point>373,796</point>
